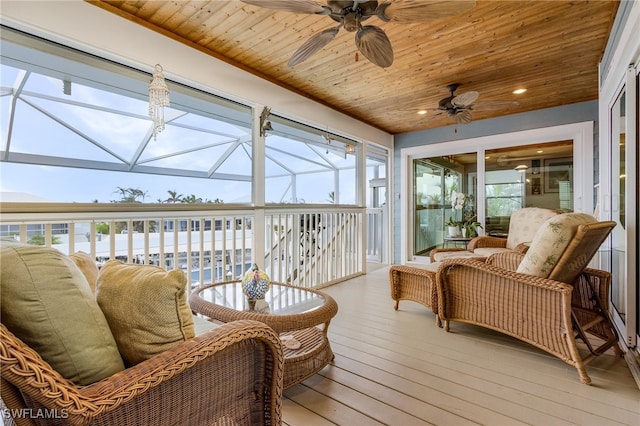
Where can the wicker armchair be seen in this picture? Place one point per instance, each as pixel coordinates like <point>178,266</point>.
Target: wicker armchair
<point>231,375</point>
<point>522,227</point>
<point>548,312</point>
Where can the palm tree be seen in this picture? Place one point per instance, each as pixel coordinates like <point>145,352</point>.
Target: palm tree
<point>191,199</point>
<point>132,195</point>
<point>174,197</point>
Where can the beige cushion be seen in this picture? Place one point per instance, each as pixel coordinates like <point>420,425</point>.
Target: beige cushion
<point>146,308</point>
<point>525,223</point>
<point>87,266</point>
<point>440,256</point>
<point>47,303</point>
<point>550,242</point>
<point>433,267</point>
<point>488,251</point>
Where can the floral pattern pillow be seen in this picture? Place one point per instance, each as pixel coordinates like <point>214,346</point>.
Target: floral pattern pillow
<point>525,223</point>
<point>550,242</point>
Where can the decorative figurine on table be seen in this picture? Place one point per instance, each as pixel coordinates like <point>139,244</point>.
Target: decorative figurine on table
<point>255,283</point>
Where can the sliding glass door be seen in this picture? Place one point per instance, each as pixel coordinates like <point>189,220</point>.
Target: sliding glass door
<point>619,183</point>
<point>513,177</point>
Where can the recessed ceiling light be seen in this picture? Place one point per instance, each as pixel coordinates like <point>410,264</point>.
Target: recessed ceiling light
<point>539,151</point>
<point>519,91</point>
<point>422,112</point>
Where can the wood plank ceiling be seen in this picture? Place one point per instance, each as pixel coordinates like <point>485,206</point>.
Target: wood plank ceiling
<point>551,48</point>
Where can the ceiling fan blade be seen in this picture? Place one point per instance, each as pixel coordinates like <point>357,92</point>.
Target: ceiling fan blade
<point>414,11</point>
<point>465,99</point>
<point>495,105</point>
<point>311,46</point>
<point>296,6</point>
<point>463,116</point>
<point>374,44</point>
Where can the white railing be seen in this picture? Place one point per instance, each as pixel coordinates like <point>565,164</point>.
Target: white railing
<point>314,246</point>
<point>311,248</point>
<point>376,232</point>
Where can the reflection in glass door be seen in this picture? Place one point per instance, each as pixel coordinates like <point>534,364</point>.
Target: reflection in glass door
<point>435,179</point>
<point>536,175</point>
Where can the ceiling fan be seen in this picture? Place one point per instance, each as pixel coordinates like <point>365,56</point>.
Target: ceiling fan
<point>459,106</point>
<point>371,40</point>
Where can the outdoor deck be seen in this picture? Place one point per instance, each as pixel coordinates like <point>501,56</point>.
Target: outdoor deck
<point>398,368</point>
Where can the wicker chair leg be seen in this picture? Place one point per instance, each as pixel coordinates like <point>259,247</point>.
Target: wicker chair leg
<point>584,377</point>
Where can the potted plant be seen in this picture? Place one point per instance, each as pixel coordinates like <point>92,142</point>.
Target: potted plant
<point>468,225</point>
<point>453,228</point>
<point>470,228</point>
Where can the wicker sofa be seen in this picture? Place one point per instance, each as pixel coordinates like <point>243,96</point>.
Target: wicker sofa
<point>230,374</point>
<point>546,297</point>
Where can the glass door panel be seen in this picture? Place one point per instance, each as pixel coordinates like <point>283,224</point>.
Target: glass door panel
<point>618,208</point>
<point>537,175</point>
<point>435,180</point>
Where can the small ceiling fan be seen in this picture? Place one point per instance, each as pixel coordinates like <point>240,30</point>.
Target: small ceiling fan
<point>459,107</point>
<point>371,40</point>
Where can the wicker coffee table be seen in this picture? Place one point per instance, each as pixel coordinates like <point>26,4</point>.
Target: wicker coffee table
<point>297,314</point>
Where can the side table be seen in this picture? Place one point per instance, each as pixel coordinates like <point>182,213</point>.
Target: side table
<point>294,312</point>
<point>455,240</point>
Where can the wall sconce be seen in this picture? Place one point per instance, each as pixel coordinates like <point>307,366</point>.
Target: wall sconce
<point>265,124</point>
<point>158,99</point>
<point>521,168</point>
<point>350,149</point>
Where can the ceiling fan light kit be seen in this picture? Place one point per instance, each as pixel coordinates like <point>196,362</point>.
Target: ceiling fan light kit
<point>370,40</point>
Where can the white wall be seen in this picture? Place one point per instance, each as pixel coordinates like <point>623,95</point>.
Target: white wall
<point>86,27</point>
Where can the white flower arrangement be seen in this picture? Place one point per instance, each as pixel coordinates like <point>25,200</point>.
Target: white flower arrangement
<point>464,203</point>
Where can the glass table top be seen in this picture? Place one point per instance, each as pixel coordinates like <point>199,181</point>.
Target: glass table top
<point>279,299</point>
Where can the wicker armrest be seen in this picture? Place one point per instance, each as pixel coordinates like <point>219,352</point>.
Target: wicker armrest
<point>486,241</point>
<point>233,372</point>
<point>508,260</point>
<point>522,248</point>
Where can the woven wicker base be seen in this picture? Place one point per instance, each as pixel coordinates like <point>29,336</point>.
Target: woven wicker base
<point>312,356</point>
<point>416,284</point>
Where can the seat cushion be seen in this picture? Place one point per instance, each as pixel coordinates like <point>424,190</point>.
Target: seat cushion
<point>525,223</point>
<point>47,303</point>
<point>550,242</point>
<point>440,256</point>
<point>146,308</point>
<point>488,251</point>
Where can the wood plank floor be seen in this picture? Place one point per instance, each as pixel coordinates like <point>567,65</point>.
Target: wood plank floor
<point>399,368</point>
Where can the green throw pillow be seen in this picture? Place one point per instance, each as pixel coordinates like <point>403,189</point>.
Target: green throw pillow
<point>146,308</point>
<point>47,303</point>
